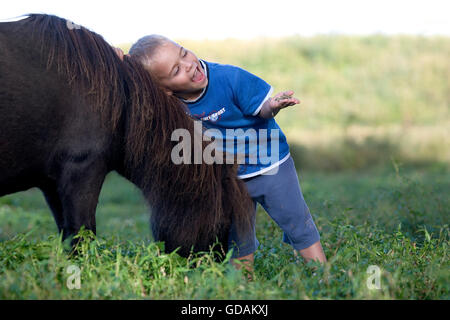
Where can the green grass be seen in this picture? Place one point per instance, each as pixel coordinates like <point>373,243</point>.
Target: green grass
<point>371,142</point>
<point>398,222</point>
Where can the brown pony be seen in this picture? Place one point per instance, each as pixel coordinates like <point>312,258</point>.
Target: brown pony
<point>71,111</point>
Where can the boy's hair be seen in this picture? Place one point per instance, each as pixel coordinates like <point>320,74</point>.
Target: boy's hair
<point>145,48</point>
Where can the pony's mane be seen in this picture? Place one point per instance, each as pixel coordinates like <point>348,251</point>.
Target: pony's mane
<point>85,59</point>
<point>188,200</point>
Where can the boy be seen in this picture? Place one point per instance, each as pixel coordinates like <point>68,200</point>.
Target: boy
<point>228,97</point>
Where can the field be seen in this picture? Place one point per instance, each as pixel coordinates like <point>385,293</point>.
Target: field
<point>371,143</point>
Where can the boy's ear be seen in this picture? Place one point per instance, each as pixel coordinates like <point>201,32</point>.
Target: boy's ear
<point>168,92</point>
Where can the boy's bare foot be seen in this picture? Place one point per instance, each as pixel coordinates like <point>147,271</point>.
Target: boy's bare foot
<point>314,252</point>
<point>246,262</point>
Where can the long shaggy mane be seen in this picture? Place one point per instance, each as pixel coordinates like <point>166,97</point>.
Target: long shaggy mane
<point>192,204</point>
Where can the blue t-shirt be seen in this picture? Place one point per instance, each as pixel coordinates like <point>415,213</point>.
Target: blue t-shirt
<point>230,103</point>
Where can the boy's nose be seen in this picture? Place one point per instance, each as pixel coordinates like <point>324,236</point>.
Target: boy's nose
<point>190,65</point>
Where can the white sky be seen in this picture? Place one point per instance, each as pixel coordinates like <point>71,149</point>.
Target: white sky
<point>127,20</point>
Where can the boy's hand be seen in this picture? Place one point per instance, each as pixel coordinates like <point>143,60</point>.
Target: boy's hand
<point>283,100</point>
<point>119,52</point>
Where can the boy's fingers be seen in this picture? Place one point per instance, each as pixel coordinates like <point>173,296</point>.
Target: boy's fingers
<point>290,102</point>
<point>288,93</point>
<point>284,95</point>
<point>119,52</point>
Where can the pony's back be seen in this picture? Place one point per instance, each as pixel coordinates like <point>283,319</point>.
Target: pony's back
<point>69,101</point>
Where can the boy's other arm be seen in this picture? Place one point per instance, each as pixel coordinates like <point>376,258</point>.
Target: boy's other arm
<point>119,52</point>
<point>273,105</point>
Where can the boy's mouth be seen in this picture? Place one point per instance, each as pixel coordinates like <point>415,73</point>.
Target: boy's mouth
<point>198,75</point>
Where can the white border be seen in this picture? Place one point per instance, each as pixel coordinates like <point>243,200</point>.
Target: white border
<point>14,19</point>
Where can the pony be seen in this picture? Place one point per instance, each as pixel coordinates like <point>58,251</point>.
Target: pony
<point>71,112</point>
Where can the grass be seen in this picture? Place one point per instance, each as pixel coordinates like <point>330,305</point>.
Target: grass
<point>371,143</point>
<point>398,222</point>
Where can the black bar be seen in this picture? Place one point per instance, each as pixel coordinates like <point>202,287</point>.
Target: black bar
<point>219,309</point>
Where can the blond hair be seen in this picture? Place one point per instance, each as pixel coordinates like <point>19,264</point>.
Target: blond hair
<point>144,49</point>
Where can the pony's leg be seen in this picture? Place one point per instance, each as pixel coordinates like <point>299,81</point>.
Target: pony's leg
<point>79,189</point>
<point>54,202</point>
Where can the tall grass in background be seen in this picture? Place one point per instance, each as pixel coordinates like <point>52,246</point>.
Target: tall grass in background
<point>364,100</point>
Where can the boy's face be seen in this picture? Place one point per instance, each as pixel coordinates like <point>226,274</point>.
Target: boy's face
<point>178,70</point>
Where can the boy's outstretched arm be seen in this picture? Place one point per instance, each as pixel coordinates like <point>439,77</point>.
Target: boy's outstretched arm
<point>273,105</point>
